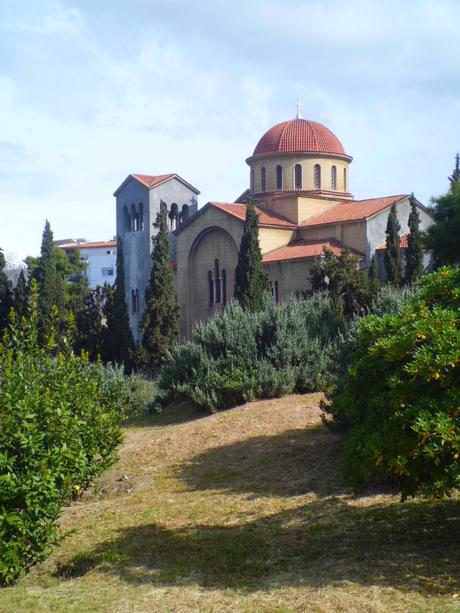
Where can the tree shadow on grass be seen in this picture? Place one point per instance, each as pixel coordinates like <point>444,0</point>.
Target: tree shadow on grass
<point>292,463</point>
<point>174,414</point>
<point>411,547</point>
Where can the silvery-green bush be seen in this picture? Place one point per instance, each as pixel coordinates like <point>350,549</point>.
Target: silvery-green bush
<point>241,355</point>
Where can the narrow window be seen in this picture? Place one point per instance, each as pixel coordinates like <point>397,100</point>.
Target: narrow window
<point>224,287</point>
<point>252,180</point>
<point>274,290</point>
<point>141,216</point>
<point>211,289</point>
<point>127,219</point>
<point>334,178</point>
<point>184,214</point>
<point>173,216</point>
<point>217,282</point>
<point>263,179</point>
<point>317,176</point>
<point>298,176</point>
<point>279,178</point>
<point>344,179</point>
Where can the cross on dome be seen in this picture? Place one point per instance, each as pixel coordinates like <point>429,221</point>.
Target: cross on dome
<point>298,103</point>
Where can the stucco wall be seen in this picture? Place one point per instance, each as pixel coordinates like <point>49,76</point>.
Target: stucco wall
<point>293,276</point>
<point>272,238</point>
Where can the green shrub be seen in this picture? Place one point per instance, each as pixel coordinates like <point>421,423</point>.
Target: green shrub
<point>59,427</point>
<point>400,396</point>
<point>240,355</point>
<point>138,394</point>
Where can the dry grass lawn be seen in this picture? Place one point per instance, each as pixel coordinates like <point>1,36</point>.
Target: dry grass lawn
<point>243,511</point>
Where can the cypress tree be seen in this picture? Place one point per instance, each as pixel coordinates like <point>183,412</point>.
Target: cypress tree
<point>50,285</point>
<point>414,253</point>
<point>6,301</point>
<point>455,177</point>
<point>160,322</point>
<point>373,280</point>
<point>21,295</point>
<point>119,339</point>
<point>392,258</point>
<point>251,281</point>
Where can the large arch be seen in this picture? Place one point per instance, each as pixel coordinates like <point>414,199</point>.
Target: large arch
<point>212,258</point>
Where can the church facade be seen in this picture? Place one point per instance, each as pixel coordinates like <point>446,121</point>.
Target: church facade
<point>299,183</point>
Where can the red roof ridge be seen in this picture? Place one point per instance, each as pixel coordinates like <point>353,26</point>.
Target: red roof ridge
<point>306,248</point>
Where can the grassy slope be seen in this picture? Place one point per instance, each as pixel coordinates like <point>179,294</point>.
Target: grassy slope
<point>243,511</point>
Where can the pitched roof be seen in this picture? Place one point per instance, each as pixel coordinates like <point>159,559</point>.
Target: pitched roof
<point>150,181</point>
<point>266,218</point>
<point>301,249</point>
<point>87,245</point>
<point>353,210</point>
<point>402,243</point>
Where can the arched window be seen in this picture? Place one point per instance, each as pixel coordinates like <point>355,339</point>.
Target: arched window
<point>344,179</point>
<point>274,290</point>
<point>252,180</point>
<point>185,211</point>
<point>217,282</point>
<point>211,288</point>
<point>141,216</point>
<point>134,219</point>
<point>317,176</point>
<point>263,179</point>
<point>279,178</point>
<point>298,176</point>
<point>126,219</point>
<point>334,177</point>
<point>224,287</point>
<point>173,216</point>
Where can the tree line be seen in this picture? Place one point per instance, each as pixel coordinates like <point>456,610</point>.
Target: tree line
<point>99,317</point>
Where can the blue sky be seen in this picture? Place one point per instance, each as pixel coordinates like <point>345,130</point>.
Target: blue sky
<point>93,90</point>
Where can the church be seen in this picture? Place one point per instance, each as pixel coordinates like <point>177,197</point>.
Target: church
<point>300,185</point>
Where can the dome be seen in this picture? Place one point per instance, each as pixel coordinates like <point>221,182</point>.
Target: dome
<point>299,135</point>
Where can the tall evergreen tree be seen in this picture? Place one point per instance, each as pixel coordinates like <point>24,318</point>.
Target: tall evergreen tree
<point>90,322</point>
<point>443,236</point>
<point>120,342</point>
<point>160,322</point>
<point>6,297</point>
<point>251,281</point>
<point>21,295</point>
<point>373,280</point>
<point>455,176</point>
<point>392,257</point>
<point>414,252</point>
<point>347,286</point>
<point>50,285</point>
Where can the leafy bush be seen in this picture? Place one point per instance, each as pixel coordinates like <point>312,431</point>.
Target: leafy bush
<point>240,355</point>
<point>400,396</point>
<point>59,427</point>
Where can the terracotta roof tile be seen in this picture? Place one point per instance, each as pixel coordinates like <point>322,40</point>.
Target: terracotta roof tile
<point>266,218</point>
<point>305,249</point>
<point>151,180</point>
<point>352,210</point>
<point>299,135</point>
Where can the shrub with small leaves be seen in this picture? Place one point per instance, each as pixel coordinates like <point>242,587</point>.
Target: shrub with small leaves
<point>243,355</point>
<point>400,396</point>
<point>59,427</point>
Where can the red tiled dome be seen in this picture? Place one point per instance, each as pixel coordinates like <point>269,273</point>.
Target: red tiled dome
<point>299,135</point>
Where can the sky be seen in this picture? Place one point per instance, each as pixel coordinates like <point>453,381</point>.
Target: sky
<point>91,91</point>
